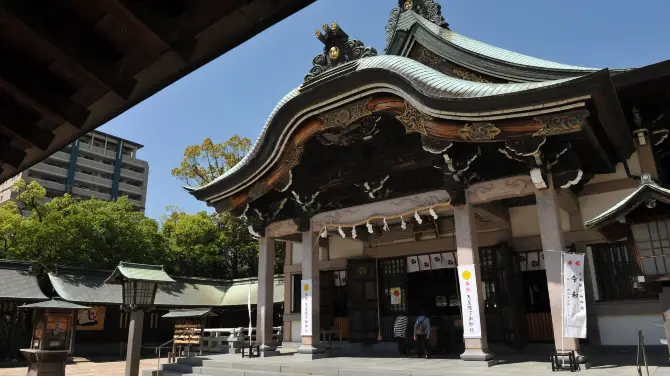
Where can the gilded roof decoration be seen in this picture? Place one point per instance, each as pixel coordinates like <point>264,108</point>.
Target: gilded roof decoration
<point>562,123</point>
<point>338,49</point>
<point>413,120</point>
<point>479,132</point>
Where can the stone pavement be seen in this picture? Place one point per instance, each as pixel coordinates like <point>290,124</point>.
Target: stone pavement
<point>358,366</point>
<point>86,367</point>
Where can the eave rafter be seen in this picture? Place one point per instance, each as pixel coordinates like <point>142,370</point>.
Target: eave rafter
<point>457,142</point>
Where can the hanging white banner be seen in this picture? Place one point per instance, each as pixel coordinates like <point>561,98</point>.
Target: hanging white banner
<point>448,260</point>
<point>574,298</point>
<point>306,310</point>
<point>424,262</point>
<point>249,307</point>
<point>436,261</point>
<point>472,327</point>
<point>412,264</point>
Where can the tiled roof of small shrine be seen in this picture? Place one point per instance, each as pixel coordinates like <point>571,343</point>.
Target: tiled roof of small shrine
<point>17,282</point>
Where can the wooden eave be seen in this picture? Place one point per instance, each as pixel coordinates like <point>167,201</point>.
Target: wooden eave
<point>69,67</point>
<point>596,85</point>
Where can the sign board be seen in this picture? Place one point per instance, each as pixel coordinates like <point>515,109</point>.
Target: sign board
<point>472,327</point>
<point>306,308</point>
<point>91,319</point>
<point>574,298</point>
<point>396,295</point>
<point>187,333</point>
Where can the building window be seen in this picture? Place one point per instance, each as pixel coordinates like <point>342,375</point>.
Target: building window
<point>652,242</point>
<point>296,283</point>
<point>616,272</point>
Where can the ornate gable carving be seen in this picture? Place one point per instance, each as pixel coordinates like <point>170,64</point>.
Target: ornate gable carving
<point>338,49</point>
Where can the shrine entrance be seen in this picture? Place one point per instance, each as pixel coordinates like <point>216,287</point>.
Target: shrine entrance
<point>503,296</point>
<point>536,297</point>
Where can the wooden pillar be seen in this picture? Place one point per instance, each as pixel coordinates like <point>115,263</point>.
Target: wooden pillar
<point>553,242</point>
<point>265,302</point>
<point>467,252</point>
<point>664,298</point>
<point>288,288</point>
<point>310,323</point>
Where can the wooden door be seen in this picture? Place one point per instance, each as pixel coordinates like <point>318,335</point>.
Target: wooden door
<point>362,305</point>
<point>326,289</point>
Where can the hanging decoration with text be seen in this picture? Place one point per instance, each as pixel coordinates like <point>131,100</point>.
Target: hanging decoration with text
<point>306,310</point>
<point>574,301</point>
<point>468,284</point>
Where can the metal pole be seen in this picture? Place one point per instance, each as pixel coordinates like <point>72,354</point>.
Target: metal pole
<point>134,350</point>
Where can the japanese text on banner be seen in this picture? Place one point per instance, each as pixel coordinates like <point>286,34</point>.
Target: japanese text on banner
<point>470,303</point>
<point>574,296</point>
<point>306,308</point>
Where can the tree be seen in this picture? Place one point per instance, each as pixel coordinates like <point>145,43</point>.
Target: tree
<point>201,165</point>
<point>75,232</point>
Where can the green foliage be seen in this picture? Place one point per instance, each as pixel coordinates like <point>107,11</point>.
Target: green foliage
<point>99,234</point>
<point>74,232</point>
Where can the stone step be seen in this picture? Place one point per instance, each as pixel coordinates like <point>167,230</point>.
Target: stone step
<point>191,361</point>
<point>177,367</point>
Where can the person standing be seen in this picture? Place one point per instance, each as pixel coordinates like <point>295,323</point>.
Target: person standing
<point>422,335</point>
<point>400,333</point>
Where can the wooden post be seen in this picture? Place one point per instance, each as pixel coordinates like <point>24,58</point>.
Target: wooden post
<point>310,271</point>
<point>265,303</point>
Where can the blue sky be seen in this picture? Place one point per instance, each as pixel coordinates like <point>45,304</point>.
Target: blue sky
<point>236,92</point>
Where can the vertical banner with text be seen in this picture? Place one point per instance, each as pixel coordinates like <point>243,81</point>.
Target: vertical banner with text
<point>472,327</point>
<point>306,308</point>
<point>574,297</point>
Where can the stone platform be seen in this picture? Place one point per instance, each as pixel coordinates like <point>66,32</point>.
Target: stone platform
<point>289,365</point>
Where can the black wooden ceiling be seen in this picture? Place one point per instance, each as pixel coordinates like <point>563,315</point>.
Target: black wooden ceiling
<point>69,66</point>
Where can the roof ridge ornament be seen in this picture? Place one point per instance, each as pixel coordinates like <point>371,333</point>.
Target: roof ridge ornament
<point>427,9</point>
<point>338,49</point>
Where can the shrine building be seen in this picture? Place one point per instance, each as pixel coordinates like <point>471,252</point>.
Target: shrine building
<point>384,172</point>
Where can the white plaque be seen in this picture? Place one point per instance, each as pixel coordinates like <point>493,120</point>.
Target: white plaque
<point>472,327</point>
<point>574,298</point>
<point>306,308</point>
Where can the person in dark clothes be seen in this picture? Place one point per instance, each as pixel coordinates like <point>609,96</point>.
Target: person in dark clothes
<point>400,333</point>
<point>422,335</point>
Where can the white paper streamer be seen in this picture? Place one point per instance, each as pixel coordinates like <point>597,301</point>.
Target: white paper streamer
<point>324,233</point>
<point>353,232</point>
<point>339,229</point>
<point>417,217</point>
<point>403,225</point>
<point>432,212</point>
<point>369,226</point>
<point>386,225</point>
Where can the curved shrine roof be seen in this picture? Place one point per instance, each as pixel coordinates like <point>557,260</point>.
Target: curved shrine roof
<point>427,81</point>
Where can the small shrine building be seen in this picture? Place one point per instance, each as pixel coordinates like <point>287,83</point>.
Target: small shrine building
<point>384,172</point>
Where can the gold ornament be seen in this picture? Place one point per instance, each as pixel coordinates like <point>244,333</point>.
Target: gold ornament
<point>409,4</point>
<point>318,33</point>
<point>325,27</point>
<point>334,53</point>
<point>334,26</point>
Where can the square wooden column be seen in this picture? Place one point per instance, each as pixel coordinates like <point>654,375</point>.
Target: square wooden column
<point>467,252</point>
<point>553,242</point>
<point>264,305</point>
<point>309,300</point>
<point>288,288</point>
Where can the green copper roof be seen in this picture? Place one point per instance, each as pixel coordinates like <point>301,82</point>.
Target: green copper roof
<point>647,191</point>
<point>139,272</point>
<point>18,283</point>
<point>188,313</point>
<point>53,304</point>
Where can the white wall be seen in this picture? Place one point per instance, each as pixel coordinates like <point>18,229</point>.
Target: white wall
<point>623,330</point>
<point>633,164</point>
<point>295,331</point>
<point>593,205</point>
<point>339,247</point>
<point>525,221</point>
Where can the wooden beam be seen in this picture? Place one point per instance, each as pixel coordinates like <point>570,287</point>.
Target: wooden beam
<point>28,83</point>
<point>60,33</point>
<point>21,123</point>
<point>159,34</point>
<point>609,186</point>
<point>9,154</point>
<point>568,201</point>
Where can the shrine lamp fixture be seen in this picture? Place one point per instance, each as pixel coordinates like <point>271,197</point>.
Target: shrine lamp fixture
<point>139,283</point>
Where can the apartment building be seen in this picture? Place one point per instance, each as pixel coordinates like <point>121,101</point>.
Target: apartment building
<point>96,165</point>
